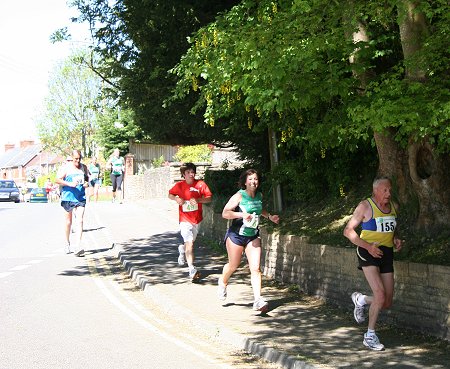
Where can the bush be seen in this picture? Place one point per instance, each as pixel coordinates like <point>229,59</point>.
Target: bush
<point>194,154</point>
<point>157,162</point>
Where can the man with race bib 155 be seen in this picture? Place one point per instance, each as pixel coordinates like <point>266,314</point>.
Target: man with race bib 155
<point>377,216</point>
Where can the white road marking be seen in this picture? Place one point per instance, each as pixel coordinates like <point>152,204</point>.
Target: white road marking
<point>35,261</point>
<point>138,319</point>
<point>151,327</point>
<point>20,267</point>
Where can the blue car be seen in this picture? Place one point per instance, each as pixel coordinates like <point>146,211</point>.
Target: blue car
<point>9,191</point>
<point>38,195</point>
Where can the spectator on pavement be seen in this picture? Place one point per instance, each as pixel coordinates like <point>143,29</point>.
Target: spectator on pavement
<point>375,245</point>
<point>189,194</point>
<point>245,208</point>
<point>48,188</point>
<point>73,177</point>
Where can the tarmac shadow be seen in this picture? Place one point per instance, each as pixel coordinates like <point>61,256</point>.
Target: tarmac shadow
<point>273,304</point>
<point>96,251</point>
<point>92,229</point>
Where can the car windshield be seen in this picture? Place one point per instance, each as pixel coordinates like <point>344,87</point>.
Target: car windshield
<point>7,184</point>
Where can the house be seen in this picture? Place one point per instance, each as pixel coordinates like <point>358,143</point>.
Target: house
<point>27,162</point>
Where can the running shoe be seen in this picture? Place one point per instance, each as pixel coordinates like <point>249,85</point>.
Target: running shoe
<point>221,290</point>
<point>194,274</point>
<point>67,248</point>
<point>261,305</point>
<point>373,342</point>
<point>80,253</point>
<point>358,311</point>
<point>181,257</point>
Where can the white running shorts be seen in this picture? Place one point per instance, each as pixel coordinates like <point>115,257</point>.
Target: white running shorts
<point>188,231</point>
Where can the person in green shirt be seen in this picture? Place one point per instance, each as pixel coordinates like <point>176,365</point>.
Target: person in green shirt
<point>245,208</point>
<point>94,179</point>
<point>117,165</point>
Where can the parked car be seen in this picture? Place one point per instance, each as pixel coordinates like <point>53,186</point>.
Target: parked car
<point>38,195</point>
<point>9,190</point>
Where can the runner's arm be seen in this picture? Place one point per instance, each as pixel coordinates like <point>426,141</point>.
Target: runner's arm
<point>228,211</point>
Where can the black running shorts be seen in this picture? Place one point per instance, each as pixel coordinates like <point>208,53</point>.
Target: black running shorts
<point>385,263</point>
<point>70,205</point>
<point>238,239</point>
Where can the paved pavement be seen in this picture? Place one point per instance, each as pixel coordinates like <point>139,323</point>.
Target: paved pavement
<point>297,332</point>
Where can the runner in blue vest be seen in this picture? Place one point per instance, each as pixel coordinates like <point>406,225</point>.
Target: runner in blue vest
<point>73,177</point>
<point>245,209</point>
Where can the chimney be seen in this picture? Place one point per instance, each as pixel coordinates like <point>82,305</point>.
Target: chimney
<point>26,143</point>
<point>9,147</point>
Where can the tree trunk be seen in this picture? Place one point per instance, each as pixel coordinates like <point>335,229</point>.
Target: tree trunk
<point>393,163</point>
<point>431,182</point>
<point>413,28</point>
<point>418,170</point>
<point>421,178</point>
<point>419,175</point>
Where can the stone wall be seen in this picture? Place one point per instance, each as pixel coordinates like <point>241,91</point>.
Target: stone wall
<point>422,292</point>
<point>155,182</point>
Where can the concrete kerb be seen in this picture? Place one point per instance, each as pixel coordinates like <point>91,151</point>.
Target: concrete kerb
<point>214,331</point>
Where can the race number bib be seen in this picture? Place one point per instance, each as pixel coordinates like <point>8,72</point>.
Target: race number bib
<point>386,224</point>
<point>188,207</point>
<point>253,222</point>
<point>79,179</point>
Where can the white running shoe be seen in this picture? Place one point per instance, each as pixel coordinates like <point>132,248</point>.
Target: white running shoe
<point>194,274</point>
<point>181,257</point>
<point>261,305</point>
<point>373,342</point>
<point>221,290</point>
<point>358,311</point>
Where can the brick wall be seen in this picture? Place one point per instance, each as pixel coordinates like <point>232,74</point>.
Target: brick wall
<point>422,292</point>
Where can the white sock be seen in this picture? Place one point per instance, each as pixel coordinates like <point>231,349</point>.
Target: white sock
<point>191,266</point>
<point>371,332</point>
<point>361,300</point>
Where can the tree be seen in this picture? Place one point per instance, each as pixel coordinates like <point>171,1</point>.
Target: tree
<point>69,120</point>
<point>297,67</point>
<point>138,42</point>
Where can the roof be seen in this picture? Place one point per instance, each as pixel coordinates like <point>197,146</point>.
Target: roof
<point>19,156</point>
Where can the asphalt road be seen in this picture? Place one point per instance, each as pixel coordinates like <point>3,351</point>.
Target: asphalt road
<point>60,311</point>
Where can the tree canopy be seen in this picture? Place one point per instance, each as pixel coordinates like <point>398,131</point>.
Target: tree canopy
<point>138,42</point>
<point>69,119</point>
<point>333,80</point>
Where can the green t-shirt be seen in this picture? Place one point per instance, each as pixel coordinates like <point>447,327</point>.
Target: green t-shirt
<point>251,205</point>
<point>117,165</point>
<point>94,169</point>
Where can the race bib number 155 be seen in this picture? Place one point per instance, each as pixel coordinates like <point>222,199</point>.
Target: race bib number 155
<point>386,224</point>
